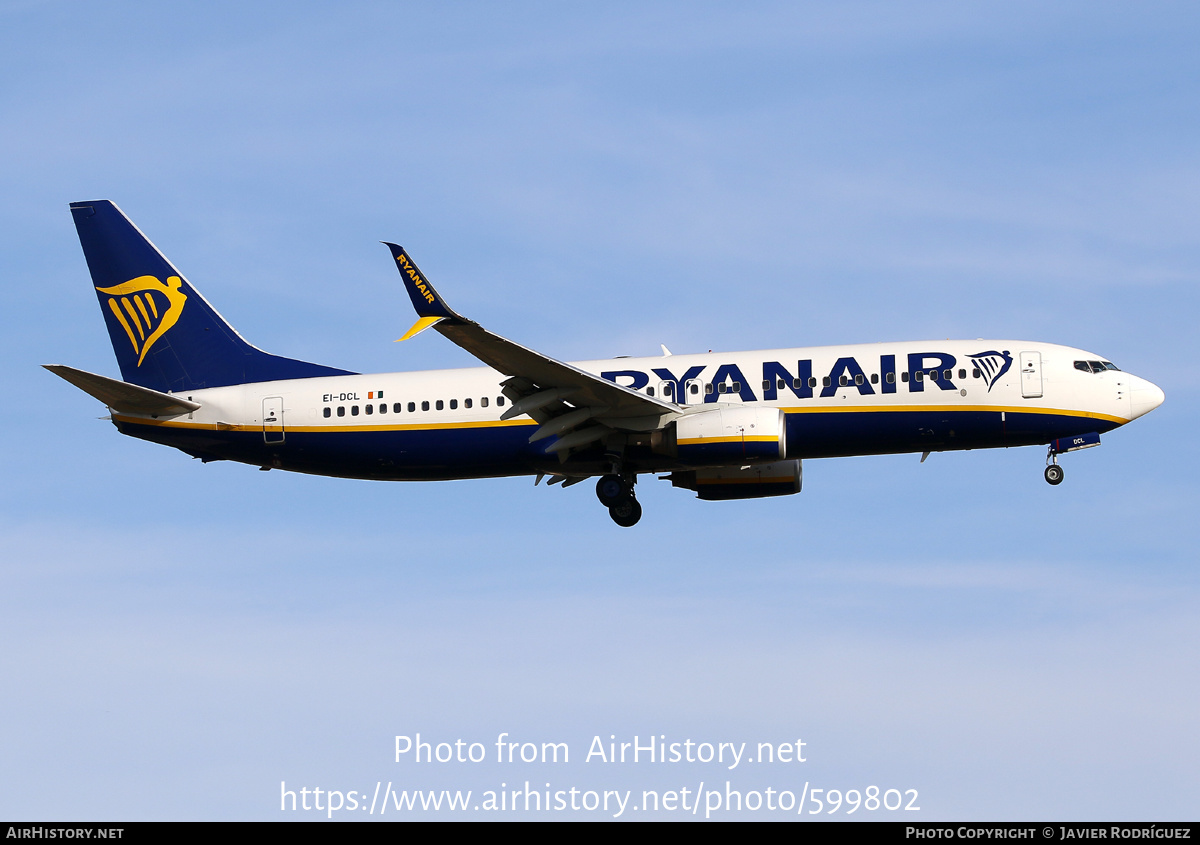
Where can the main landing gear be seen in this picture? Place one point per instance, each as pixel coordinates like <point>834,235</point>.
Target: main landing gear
<point>616,494</point>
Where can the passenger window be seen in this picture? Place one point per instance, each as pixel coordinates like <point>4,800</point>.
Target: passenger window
<point>695,388</point>
<point>904,377</point>
<point>975,373</point>
<point>499,401</point>
<point>397,408</point>
<point>412,406</point>
<point>812,381</point>
<point>483,403</point>
<point>668,389</point>
<point>767,383</point>
<point>962,374</point>
<point>453,404</point>
<point>649,391</point>
<point>370,409</point>
<point>891,378</point>
<point>843,381</point>
<point>919,375</point>
<point>440,404</point>
<point>327,413</point>
<point>874,378</point>
<point>708,389</point>
<point>737,387</point>
<point>721,388</point>
<point>796,383</point>
<point>858,379</point>
<point>383,407</point>
<point>466,403</point>
<point>425,405</point>
<point>947,374</point>
<point>354,410</point>
<point>825,382</point>
<point>341,410</point>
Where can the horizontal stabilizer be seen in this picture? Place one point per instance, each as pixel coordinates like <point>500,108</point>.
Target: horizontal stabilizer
<point>123,396</point>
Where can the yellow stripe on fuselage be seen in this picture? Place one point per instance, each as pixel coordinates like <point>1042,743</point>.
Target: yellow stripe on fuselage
<point>903,409</point>
<point>207,426</point>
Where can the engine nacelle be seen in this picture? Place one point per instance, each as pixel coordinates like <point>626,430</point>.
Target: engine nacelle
<point>735,434</point>
<point>781,478</point>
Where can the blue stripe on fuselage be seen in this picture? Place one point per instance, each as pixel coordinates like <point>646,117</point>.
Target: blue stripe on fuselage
<point>499,450</point>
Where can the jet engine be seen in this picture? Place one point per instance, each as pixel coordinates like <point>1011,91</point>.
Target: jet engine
<point>781,478</point>
<point>726,435</point>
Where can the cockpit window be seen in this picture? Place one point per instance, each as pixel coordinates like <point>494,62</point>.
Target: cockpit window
<point>1096,366</point>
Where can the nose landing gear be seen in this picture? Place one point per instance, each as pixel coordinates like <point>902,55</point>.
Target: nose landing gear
<point>616,494</point>
<point>1054,473</point>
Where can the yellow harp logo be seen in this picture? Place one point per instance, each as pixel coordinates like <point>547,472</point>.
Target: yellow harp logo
<point>146,309</point>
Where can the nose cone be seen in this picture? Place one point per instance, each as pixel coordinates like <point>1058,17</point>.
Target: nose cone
<point>1144,397</point>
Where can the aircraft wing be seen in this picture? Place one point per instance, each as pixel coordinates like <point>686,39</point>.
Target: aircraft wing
<point>123,396</point>
<point>539,385</point>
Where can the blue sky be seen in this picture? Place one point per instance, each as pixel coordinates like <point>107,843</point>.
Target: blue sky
<point>593,181</point>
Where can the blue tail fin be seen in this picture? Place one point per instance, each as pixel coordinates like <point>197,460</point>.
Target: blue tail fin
<point>165,335</point>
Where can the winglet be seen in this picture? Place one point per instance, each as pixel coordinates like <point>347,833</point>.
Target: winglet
<point>419,326</point>
<point>428,304</point>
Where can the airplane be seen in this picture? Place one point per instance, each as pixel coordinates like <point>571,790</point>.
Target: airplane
<point>726,425</point>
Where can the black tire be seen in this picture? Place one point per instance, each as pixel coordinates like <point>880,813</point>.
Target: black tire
<point>627,513</point>
<point>1054,474</point>
<point>611,489</point>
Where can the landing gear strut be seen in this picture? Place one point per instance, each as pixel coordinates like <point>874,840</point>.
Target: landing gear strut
<point>1054,473</point>
<point>616,494</point>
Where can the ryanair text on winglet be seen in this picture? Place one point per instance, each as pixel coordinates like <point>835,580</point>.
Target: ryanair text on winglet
<point>409,270</point>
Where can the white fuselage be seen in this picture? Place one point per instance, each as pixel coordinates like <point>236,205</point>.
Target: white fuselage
<point>838,400</point>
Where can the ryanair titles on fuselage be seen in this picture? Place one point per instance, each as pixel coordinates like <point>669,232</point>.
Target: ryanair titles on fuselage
<point>942,370</point>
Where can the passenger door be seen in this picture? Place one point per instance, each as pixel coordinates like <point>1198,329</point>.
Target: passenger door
<point>1031,375</point>
<point>273,420</point>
